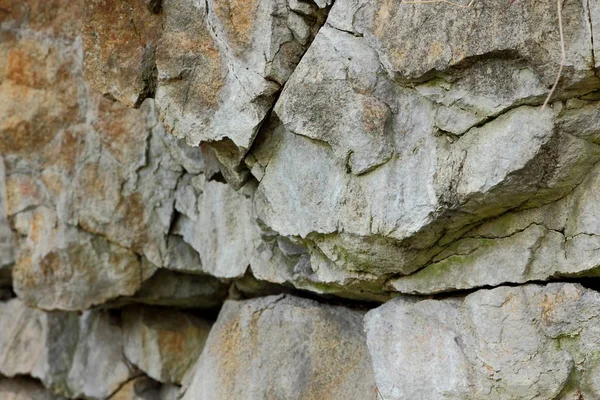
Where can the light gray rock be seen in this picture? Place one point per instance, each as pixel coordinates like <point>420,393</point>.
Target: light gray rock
<point>462,149</point>
<point>218,223</point>
<point>317,99</point>
<point>324,346</point>
<point>115,191</point>
<point>557,240</point>
<point>163,343</point>
<point>25,389</point>
<point>534,342</point>
<point>74,355</point>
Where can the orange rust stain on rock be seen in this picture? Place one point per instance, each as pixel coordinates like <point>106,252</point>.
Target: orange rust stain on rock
<point>383,17</point>
<point>123,131</point>
<point>434,52</point>
<point>213,78</point>
<point>172,343</point>
<point>65,150</point>
<point>374,116</point>
<point>50,264</point>
<point>56,17</point>
<point>238,17</point>
<point>229,355</point>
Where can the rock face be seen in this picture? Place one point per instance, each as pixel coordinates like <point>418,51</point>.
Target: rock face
<point>163,344</point>
<point>325,346</point>
<point>73,355</point>
<point>282,167</point>
<point>535,342</point>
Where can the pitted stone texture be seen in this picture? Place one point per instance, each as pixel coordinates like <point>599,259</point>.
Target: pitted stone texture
<point>326,356</point>
<point>535,342</point>
<point>74,355</point>
<point>25,389</point>
<point>163,343</point>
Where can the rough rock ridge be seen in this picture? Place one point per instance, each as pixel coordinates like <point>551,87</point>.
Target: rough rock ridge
<point>299,199</point>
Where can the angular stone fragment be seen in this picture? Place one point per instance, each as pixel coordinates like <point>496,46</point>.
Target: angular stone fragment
<point>560,239</point>
<point>115,192</point>
<point>163,343</point>
<point>325,353</point>
<point>74,355</point>
<point>218,223</point>
<point>123,50</point>
<point>416,41</point>
<point>61,267</point>
<point>79,172</point>
<point>314,102</point>
<point>536,342</point>
<point>25,389</point>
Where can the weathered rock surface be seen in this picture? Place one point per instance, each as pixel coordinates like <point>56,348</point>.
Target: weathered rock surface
<point>326,355</point>
<point>25,389</point>
<point>418,150</point>
<point>74,355</point>
<point>214,67</point>
<point>173,289</point>
<point>351,152</point>
<point>534,342</point>
<point>163,343</point>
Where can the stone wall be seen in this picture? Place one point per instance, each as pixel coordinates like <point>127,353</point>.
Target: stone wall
<point>299,200</point>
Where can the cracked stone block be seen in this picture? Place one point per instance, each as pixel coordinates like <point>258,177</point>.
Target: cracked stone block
<point>74,355</point>
<point>557,240</point>
<point>120,58</point>
<point>461,150</point>
<point>326,355</point>
<point>163,343</point>
<point>61,267</point>
<point>214,67</point>
<point>218,223</point>
<point>531,341</point>
<point>417,41</point>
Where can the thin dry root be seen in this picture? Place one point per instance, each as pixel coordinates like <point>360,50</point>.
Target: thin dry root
<point>378,393</point>
<point>439,1</point>
<point>563,57</point>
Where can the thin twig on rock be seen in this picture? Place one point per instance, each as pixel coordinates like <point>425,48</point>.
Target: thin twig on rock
<point>439,1</point>
<point>564,57</point>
